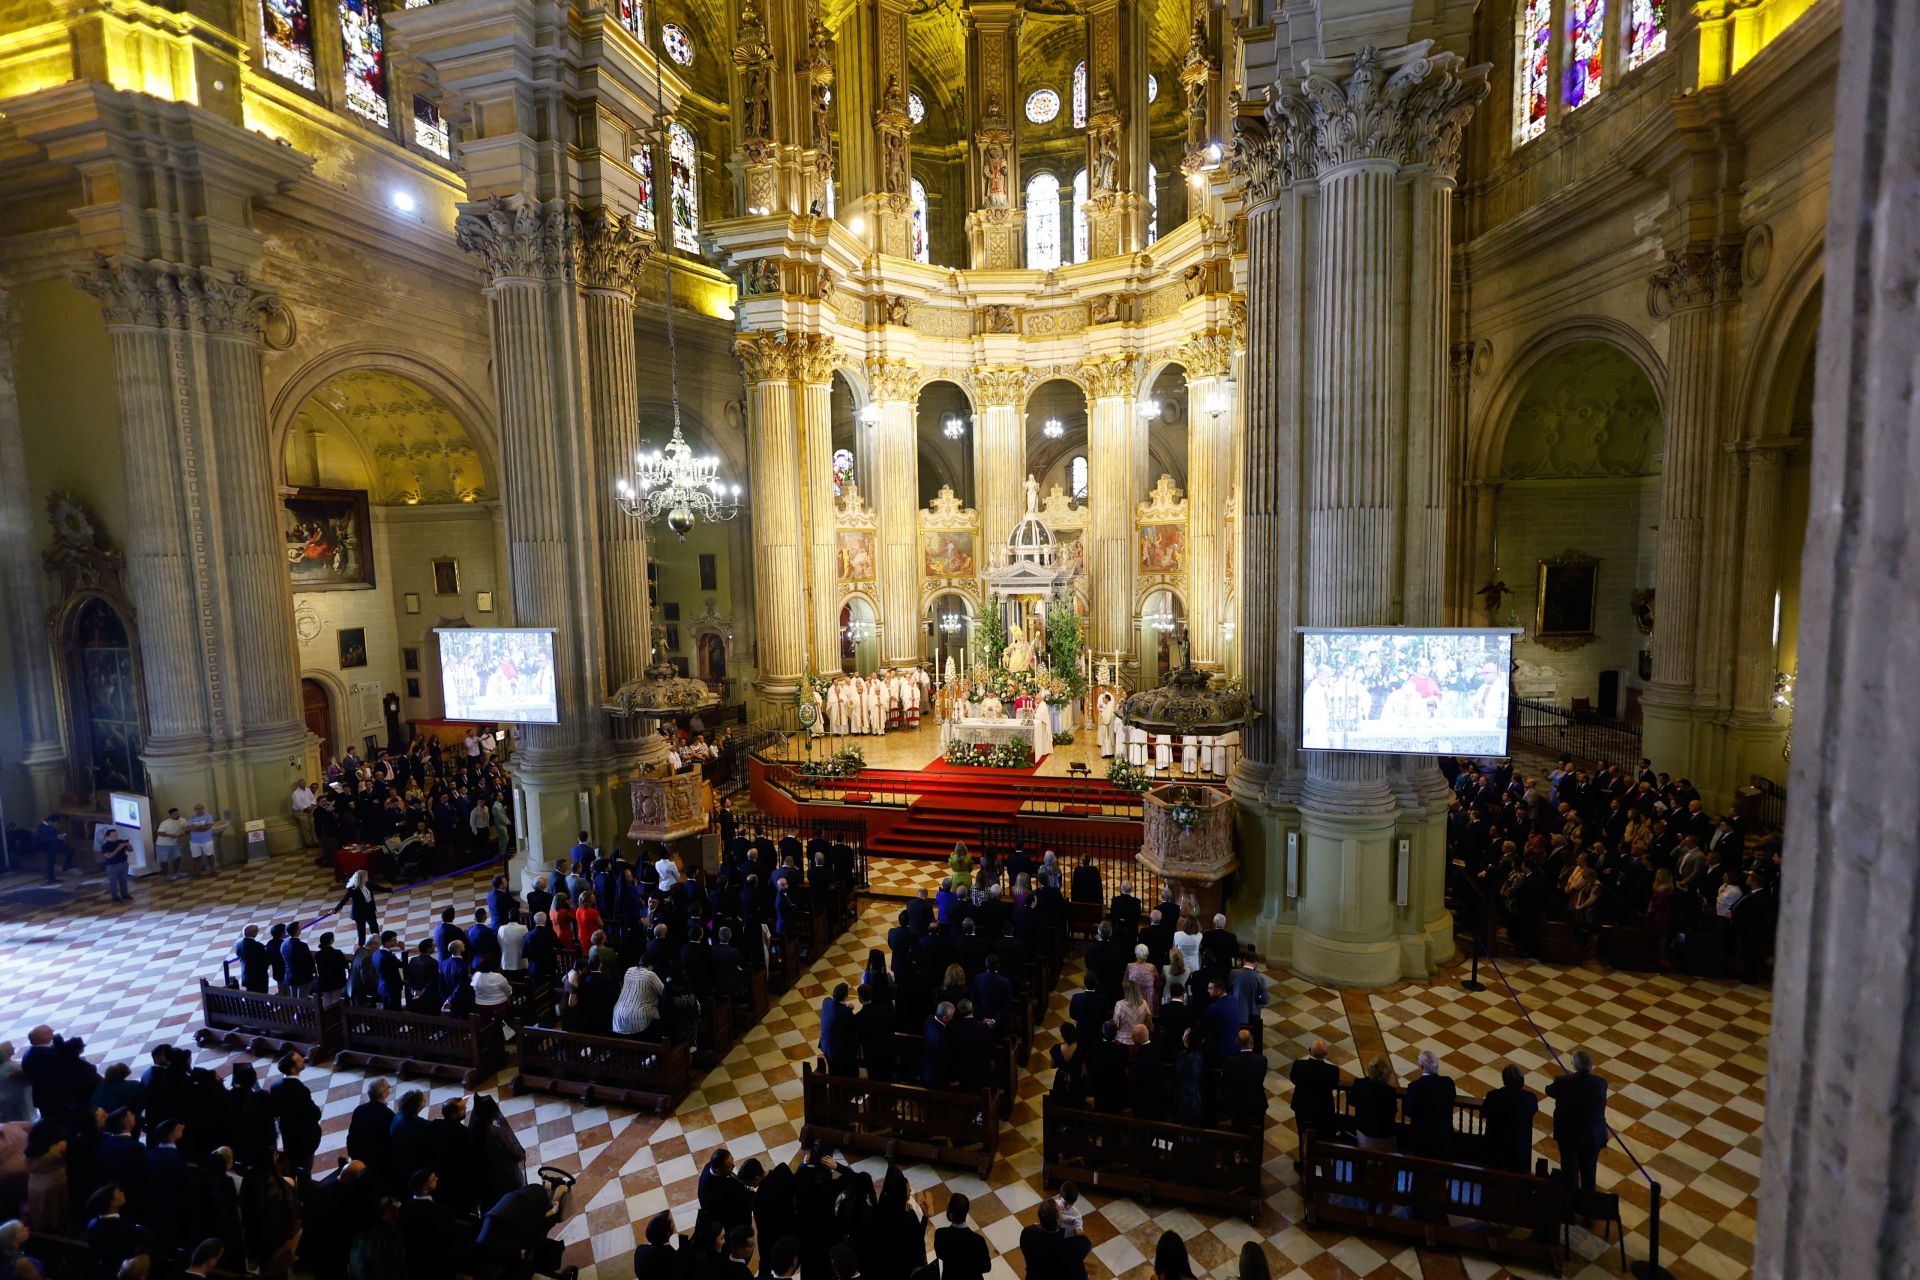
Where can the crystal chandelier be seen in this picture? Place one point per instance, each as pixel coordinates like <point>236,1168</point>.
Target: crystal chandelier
<point>953,428</point>
<point>950,623</point>
<point>1161,619</point>
<point>674,483</point>
<point>860,630</point>
<point>1053,429</point>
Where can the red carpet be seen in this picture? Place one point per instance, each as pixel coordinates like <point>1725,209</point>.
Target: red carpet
<point>940,765</point>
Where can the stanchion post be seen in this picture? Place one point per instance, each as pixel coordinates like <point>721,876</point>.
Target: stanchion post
<point>1473,982</point>
<point>1651,1268</point>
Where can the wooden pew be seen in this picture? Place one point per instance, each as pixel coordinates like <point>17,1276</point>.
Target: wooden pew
<point>1469,1123</point>
<point>623,1069</point>
<point>896,1120</point>
<point>267,1026</point>
<point>1003,1065</point>
<point>1212,1168</point>
<point>715,1034</point>
<point>1419,1199</point>
<point>408,1043</point>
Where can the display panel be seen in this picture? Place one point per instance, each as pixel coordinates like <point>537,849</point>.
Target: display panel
<point>1410,692</point>
<point>498,675</point>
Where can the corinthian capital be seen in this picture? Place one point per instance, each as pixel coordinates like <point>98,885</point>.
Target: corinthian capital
<point>1401,105</point>
<point>1208,354</point>
<point>612,251</point>
<point>763,356</point>
<point>1694,279</point>
<point>892,379</point>
<point>1111,376</point>
<point>1000,386</point>
<point>810,357</point>
<point>520,238</point>
<point>170,295</point>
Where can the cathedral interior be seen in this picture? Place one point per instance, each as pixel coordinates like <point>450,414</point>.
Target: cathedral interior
<point>1272,315</point>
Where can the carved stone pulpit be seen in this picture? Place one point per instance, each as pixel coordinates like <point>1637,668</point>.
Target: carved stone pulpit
<point>670,808</point>
<point>1189,843</point>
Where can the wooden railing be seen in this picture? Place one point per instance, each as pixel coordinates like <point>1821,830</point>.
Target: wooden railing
<point>1002,1067</point>
<point>1469,1125</point>
<point>1766,803</point>
<point>408,1043</point>
<point>267,1025</point>
<point>1509,1215</point>
<point>635,1072</point>
<point>940,1125</point>
<point>1214,1168</point>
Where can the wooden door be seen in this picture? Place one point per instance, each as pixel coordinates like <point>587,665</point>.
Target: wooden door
<point>317,710</point>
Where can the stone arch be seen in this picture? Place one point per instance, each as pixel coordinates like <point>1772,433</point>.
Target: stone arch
<point>1485,448</point>
<point>1169,433</point>
<point>92,752</point>
<point>336,691</point>
<point>944,462</point>
<point>1788,329</point>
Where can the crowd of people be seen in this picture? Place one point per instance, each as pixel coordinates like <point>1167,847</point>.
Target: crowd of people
<point>178,1168</point>
<point>1603,846</point>
<point>427,806</point>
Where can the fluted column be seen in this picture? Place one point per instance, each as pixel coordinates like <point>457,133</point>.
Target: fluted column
<point>40,754</point>
<point>1689,290</point>
<point>1002,453</point>
<point>778,494</point>
<point>1110,464</point>
<point>810,364</point>
<point>895,494</point>
<point>1117,126</point>
<point>612,253</point>
<point>994,96</point>
<point>1206,358</point>
<point>1765,463</point>
<point>891,202</point>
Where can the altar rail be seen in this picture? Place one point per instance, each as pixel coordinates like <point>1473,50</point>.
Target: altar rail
<point>1117,858</point>
<point>942,1125</point>
<point>1425,1200</point>
<point>628,1070</point>
<point>1215,1169</point>
<point>851,832</point>
<point>267,1025</point>
<point>408,1043</point>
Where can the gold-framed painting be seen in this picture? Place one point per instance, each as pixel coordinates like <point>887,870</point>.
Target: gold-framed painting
<point>328,536</point>
<point>856,554</point>
<point>1566,601</point>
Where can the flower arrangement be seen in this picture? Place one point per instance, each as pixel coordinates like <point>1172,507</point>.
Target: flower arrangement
<point>1016,753</point>
<point>1129,777</point>
<point>1185,814</point>
<point>844,763</point>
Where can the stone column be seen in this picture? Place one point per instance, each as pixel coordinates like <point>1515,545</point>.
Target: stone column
<point>778,494</point>
<point>1461,550</point>
<point>40,755</point>
<point>612,253</point>
<point>1117,138</point>
<point>810,365</point>
<point>890,207</point>
<point>1206,358</point>
<point>540,363</point>
<point>1114,556</point>
<point>204,564</point>
<point>895,498</point>
<point>995,238</point>
<point>1754,730</point>
<point>1688,290</point>
<point>1002,452</point>
<point>1843,1122</point>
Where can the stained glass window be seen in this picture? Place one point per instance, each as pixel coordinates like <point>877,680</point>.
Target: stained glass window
<point>632,15</point>
<point>1080,96</point>
<point>286,32</point>
<point>363,51</point>
<point>1153,88</point>
<point>916,108</point>
<point>429,130</point>
<point>842,470</point>
<point>1153,204</point>
<point>683,172</point>
<point>1042,106</point>
<point>919,208</point>
<point>1646,30</point>
<point>1043,222</point>
<point>1586,47</point>
<point>1080,216</point>
<point>643,165</point>
<point>1532,45</point>
<point>678,44</point>
<point>1077,478</point>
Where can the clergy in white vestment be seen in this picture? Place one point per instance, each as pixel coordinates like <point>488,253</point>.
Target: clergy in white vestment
<point>1163,751</point>
<point>1105,710</point>
<point>1136,745</point>
<point>876,708</point>
<point>913,701</point>
<point>1229,751</point>
<point>1042,730</point>
<point>1189,753</point>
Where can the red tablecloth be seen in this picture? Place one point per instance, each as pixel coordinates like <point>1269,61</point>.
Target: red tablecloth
<point>354,857</point>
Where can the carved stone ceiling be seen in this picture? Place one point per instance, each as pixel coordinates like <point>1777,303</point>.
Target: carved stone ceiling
<point>377,431</point>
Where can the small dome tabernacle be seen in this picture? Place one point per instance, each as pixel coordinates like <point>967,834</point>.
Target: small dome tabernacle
<point>1187,703</point>
<point>662,692</point>
<point>1030,532</point>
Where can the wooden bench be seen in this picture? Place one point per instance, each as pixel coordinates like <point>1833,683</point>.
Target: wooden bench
<point>430,1044</point>
<point>1508,1215</point>
<point>623,1069</point>
<point>1215,1169</point>
<point>714,1032</point>
<point>1002,1065</point>
<point>941,1125</point>
<point>267,1026</point>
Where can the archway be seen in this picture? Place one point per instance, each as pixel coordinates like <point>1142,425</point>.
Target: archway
<point>1057,438</point>
<point>1162,619</point>
<point>859,637</point>
<point>944,428</point>
<point>104,701</point>
<point>949,631</point>
<point>316,710</point>
<point>1577,515</point>
<point>1163,413</point>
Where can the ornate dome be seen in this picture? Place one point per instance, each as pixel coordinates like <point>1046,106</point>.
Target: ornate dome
<point>662,692</point>
<point>1029,535</point>
<point>1188,703</point>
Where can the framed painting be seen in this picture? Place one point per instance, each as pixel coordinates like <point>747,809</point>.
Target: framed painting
<point>948,554</point>
<point>673,635</point>
<point>413,686</point>
<point>1163,548</point>
<point>353,647</point>
<point>411,600</point>
<point>483,602</point>
<point>856,555</point>
<point>446,577</point>
<point>410,659</point>
<point>1567,600</point>
<point>328,538</point>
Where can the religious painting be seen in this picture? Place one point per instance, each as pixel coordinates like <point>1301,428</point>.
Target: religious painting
<point>353,647</point>
<point>446,577</point>
<point>410,659</point>
<point>856,555</point>
<point>1568,594</point>
<point>328,538</point>
<point>709,573</point>
<point>413,686</point>
<point>411,600</point>
<point>673,635</point>
<point>1163,548</point>
<point>483,602</point>
<point>670,611</point>
<point>948,554</point>
<point>1070,551</point>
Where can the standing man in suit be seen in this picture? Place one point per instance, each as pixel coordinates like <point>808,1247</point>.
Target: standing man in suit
<point>1508,1115</point>
<point>972,1048</point>
<point>936,1048</point>
<point>297,956</point>
<point>1579,1121</point>
<point>386,964</point>
<point>1219,949</point>
<point>1243,1081</point>
<point>1249,995</point>
<point>961,1250</point>
<point>1106,962</point>
<point>294,1108</point>
<point>252,955</point>
<point>1314,1081</point>
<point>1429,1111</point>
<point>1220,1020</point>
<point>838,1041</point>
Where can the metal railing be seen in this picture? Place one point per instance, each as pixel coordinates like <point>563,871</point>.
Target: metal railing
<point>849,831</point>
<point>1116,857</point>
<point>1587,737</point>
<point>1769,803</point>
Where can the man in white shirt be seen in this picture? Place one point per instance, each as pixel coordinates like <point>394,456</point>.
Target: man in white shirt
<point>669,873</point>
<point>201,829</point>
<point>166,842</point>
<point>303,802</point>
<point>488,743</point>
<point>513,936</point>
<point>639,1004</point>
<point>472,745</point>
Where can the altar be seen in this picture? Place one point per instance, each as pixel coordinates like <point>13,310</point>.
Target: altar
<point>993,732</point>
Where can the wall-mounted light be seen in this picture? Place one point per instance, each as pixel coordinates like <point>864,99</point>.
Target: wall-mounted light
<point>870,415</point>
<point>401,200</point>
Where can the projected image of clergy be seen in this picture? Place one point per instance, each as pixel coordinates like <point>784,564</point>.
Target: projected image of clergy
<point>498,675</point>
<point>1411,692</point>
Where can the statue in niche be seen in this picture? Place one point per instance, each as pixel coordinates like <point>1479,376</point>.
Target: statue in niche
<point>756,106</point>
<point>1019,653</point>
<point>1106,101</point>
<point>892,100</point>
<point>993,161</point>
<point>763,276</point>
<point>1106,158</point>
<point>896,162</point>
<point>897,310</point>
<point>822,98</point>
<point>1106,308</point>
<point>1000,318</point>
<point>1195,279</point>
<point>826,284</point>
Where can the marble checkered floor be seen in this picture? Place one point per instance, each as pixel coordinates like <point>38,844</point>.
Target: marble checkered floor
<point>1687,1058</point>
